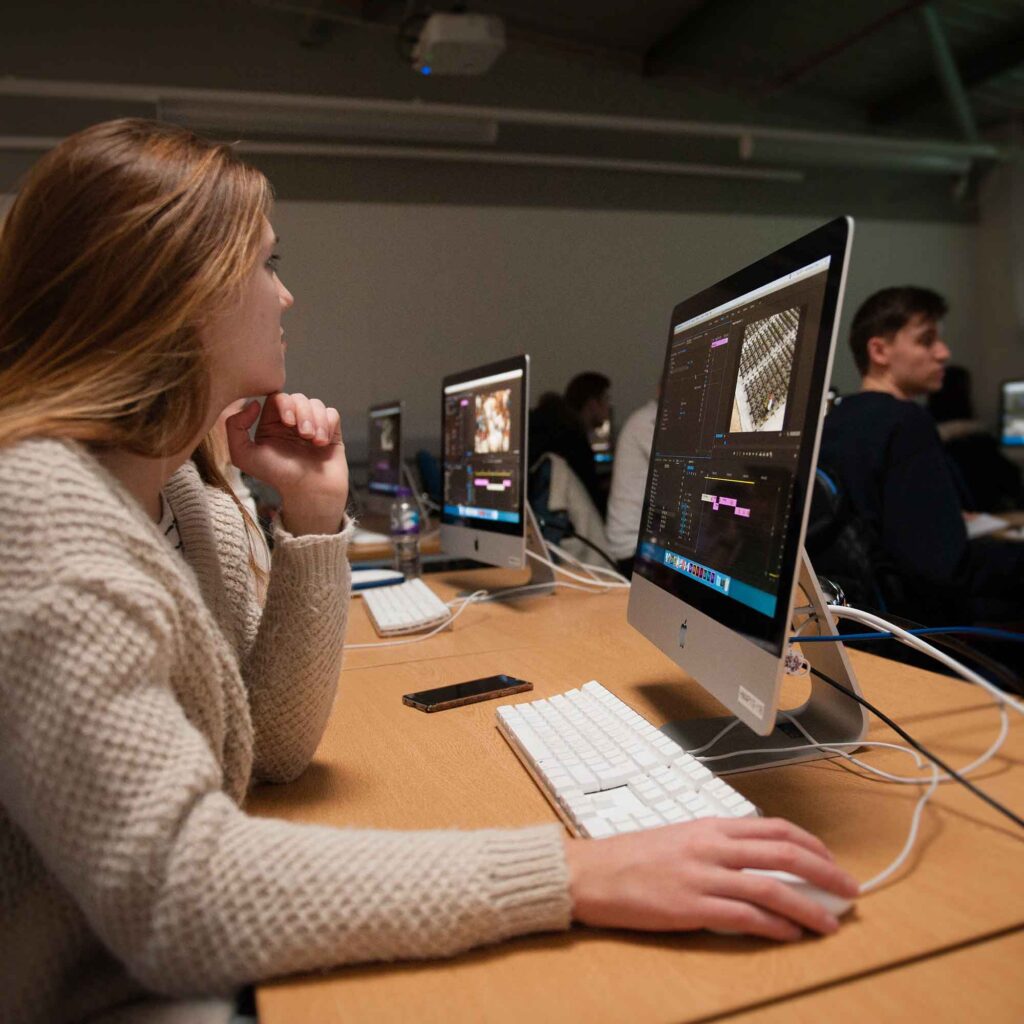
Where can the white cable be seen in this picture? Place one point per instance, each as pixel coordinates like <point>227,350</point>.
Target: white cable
<point>589,580</point>
<point>591,567</point>
<point>509,591</point>
<point>936,778</point>
<point>915,818</point>
<point>477,597</point>
<point>856,615</point>
<point>915,822</point>
<point>714,739</point>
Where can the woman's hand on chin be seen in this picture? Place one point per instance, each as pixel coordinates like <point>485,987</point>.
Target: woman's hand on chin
<point>297,450</point>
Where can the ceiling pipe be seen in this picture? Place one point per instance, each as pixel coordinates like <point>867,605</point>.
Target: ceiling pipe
<point>33,143</point>
<point>157,95</point>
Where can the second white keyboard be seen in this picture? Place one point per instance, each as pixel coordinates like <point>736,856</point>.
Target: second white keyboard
<point>606,770</point>
<point>405,608</point>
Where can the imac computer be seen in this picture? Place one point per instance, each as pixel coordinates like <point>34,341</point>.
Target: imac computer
<point>1011,413</point>
<point>720,547</point>
<point>601,447</point>
<point>385,449</point>
<point>485,514</point>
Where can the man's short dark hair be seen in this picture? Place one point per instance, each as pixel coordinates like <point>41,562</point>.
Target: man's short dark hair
<point>883,314</point>
<point>585,386</point>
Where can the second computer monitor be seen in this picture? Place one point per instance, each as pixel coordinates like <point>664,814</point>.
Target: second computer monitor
<point>385,448</point>
<point>1011,413</point>
<point>483,438</point>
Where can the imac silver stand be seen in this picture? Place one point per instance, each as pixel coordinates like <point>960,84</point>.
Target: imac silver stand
<point>542,576</point>
<point>829,715</point>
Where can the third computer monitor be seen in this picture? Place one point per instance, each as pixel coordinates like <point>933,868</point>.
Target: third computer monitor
<point>1011,413</point>
<point>385,448</point>
<point>736,440</point>
<point>483,438</point>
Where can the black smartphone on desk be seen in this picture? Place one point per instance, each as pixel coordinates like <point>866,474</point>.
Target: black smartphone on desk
<point>457,694</point>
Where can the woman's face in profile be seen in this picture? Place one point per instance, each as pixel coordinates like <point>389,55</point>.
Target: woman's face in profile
<point>246,341</point>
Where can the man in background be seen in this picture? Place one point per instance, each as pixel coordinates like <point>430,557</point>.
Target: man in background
<point>563,426</point>
<point>884,451</point>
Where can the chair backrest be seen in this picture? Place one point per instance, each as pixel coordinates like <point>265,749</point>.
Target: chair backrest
<point>429,470</point>
<point>843,547</point>
<point>563,507</point>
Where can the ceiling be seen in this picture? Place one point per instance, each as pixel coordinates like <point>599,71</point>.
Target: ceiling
<point>873,55</point>
<point>719,104</point>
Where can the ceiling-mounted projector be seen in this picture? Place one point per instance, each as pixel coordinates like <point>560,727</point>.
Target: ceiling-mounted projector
<point>458,44</point>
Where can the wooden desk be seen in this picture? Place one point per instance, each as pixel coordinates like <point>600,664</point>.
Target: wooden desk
<point>383,764</point>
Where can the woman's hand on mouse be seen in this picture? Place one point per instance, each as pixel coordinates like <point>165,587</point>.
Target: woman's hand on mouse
<point>688,876</point>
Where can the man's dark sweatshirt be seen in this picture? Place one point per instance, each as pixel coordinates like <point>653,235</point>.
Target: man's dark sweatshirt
<point>889,462</point>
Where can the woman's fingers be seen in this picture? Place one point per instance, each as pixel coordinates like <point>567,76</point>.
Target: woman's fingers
<point>310,418</point>
<point>303,410</point>
<point>278,408</point>
<point>785,856</point>
<point>237,427</point>
<point>774,828</point>
<point>769,894</point>
<point>721,914</point>
<point>334,425</point>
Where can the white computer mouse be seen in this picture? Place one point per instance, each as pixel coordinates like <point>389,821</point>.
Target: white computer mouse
<point>835,905</point>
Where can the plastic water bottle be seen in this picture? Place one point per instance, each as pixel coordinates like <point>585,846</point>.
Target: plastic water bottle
<point>405,534</point>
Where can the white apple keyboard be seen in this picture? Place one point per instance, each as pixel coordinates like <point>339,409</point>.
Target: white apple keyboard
<point>363,538</point>
<point>606,770</point>
<point>405,608</point>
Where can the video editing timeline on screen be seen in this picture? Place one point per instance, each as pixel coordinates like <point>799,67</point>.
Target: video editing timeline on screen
<point>482,455</point>
<point>726,446</point>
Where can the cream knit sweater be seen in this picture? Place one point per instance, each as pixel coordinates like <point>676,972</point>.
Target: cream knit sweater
<point>139,699</point>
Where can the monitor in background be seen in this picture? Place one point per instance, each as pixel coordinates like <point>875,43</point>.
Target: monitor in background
<point>484,511</point>
<point>601,444</point>
<point>1011,413</point>
<point>728,491</point>
<point>385,448</point>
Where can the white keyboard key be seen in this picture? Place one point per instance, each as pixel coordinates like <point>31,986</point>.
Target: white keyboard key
<point>596,828</point>
<point>614,776</point>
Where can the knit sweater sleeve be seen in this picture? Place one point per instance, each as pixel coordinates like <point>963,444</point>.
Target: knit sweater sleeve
<point>292,661</point>
<point>120,794</point>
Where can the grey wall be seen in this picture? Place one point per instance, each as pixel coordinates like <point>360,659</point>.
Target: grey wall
<point>391,297</point>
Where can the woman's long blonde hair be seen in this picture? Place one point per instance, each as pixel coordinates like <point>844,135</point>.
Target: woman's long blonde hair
<point>122,241</point>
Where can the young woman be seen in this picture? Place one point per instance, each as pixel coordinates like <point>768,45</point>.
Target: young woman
<point>144,689</point>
